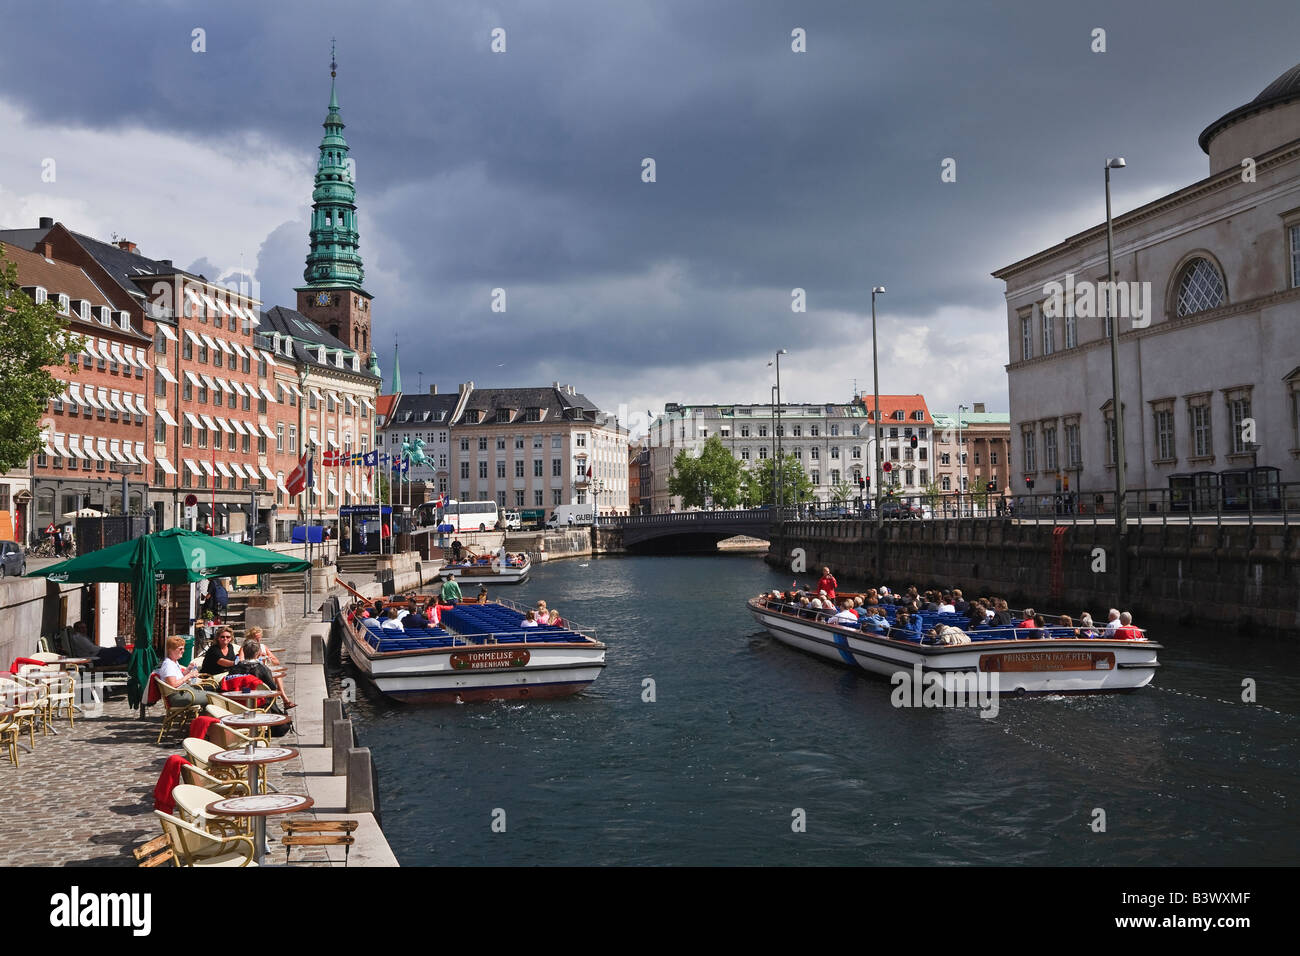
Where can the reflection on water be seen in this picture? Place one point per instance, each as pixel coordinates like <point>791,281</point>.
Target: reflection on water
<point>743,732</point>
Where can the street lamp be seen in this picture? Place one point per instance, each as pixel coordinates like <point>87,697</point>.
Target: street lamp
<point>961,459</point>
<point>875,378</point>
<point>1116,408</point>
<point>777,436</point>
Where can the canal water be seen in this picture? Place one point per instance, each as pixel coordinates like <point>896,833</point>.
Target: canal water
<point>753,753</point>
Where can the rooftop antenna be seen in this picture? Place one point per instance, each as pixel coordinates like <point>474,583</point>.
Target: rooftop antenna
<point>334,66</point>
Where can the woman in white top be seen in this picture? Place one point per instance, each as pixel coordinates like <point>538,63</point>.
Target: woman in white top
<point>173,675</point>
<point>530,620</point>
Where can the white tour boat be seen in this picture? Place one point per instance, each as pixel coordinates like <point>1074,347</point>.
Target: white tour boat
<point>1024,660</point>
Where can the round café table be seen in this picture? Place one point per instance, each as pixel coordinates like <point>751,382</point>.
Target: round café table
<point>259,807</point>
<point>262,723</point>
<point>255,758</point>
<point>247,697</point>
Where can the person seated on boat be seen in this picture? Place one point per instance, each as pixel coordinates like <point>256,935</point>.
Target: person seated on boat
<point>1001,613</point>
<point>1126,631</point>
<point>377,609</point>
<point>845,616</point>
<point>876,622</point>
<point>959,604</point>
<point>1039,622</point>
<point>449,593</point>
<point>556,620</point>
<point>946,605</point>
<point>392,621</point>
<point>909,624</point>
<point>1112,623</point>
<point>945,634</point>
<point>827,584</point>
<point>249,653</point>
<point>929,602</point>
<point>1028,619</point>
<point>416,618</point>
<point>482,594</point>
<point>1086,628</point>
<point>530,620</point>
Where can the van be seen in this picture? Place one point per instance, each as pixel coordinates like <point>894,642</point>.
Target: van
<point>570,516</point>
<point>513,521</point>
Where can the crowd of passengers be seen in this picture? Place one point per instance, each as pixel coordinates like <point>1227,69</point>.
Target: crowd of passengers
<point>428,611</point>
<point>872,612</point>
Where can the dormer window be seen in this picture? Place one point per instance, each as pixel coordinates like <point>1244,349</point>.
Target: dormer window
<point>898,415</point>
<point>338,359</point>
<point>503,415</point>
<point>104,314</point>
<point>64,304</point>
<point>275,342</point>
<point>533,415</point>
<point>472,417</point>
<point>124,319</point>
<point>918,416</point>
<point>356,363</point>
<point>320,354</point>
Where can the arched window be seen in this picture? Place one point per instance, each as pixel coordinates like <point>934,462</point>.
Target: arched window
<point>1200,288</point>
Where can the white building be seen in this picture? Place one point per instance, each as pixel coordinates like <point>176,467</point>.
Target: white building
<point>1210,376</point>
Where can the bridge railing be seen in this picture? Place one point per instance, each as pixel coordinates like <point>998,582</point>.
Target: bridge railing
<point>734,516</point>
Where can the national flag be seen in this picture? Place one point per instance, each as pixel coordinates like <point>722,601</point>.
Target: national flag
<point>589,471</point>
<point>331,458</point>
<point>371,459</point>
<point>298,478</point>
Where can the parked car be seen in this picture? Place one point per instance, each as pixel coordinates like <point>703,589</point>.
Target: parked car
<point>896,509</point>
<point>261,535</point>
<point>13,560</point>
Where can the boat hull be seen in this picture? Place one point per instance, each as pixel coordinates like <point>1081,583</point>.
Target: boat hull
<point>1020,666</point>
<point>481,575</point>
<point>472,672</point>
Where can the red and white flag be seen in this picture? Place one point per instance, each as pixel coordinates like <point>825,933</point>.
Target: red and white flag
<point>296,483</point>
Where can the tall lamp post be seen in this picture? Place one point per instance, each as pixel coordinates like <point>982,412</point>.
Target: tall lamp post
<point>774,445</point>
<point>1117,409</point>
<point>875,378</point>
<point>780,492</point>
<point>961,459</point>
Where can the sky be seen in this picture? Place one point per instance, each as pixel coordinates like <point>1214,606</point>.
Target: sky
<point>524,170</point>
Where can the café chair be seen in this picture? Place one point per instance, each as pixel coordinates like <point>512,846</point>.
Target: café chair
<point>191,806</point>
<point>181,714</point>
<point>195,776</point>
<point>192,846</point>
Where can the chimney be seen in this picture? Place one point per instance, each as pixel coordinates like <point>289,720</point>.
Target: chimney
<point>555,385</point>
<point>126,245</point>
<point>433,389</point>
<point>47,222</point>
<point>979,408</point>
<point>47,250</point>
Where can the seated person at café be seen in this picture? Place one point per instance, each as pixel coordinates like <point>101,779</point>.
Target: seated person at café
<point>80,645</point>
<point>249,664</point>
<point>173,675</point>
<point>221,656</point>
<point>255,634</point>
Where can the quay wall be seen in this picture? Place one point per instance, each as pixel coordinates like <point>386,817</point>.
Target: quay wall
<point>30,607</point>
<point>1237,577</point>
<point>549,545</point>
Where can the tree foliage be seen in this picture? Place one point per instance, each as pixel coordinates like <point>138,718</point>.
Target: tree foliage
<point>715,475</point>
<point>760,483</point>
<point>32,338</point>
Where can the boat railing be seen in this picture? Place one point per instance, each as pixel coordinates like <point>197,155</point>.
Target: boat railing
<point>569,623</point>
<point>1053,629</point>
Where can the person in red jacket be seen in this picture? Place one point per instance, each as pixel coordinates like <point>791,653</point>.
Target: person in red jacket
<point>828,583</point>
<point>1126,631</point>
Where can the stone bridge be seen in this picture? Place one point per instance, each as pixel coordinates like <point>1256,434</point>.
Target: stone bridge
<point>689,530</point>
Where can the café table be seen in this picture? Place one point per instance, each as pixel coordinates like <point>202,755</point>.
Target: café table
<point>255,758</point>
<point>248,697</point>
<point>259,807</point>
<point>262,723</point>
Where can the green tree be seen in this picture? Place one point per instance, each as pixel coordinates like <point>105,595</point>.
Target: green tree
<point>34,338</point>
<point>841,492</point>
<point>715,475</point>
<point>760,483</point>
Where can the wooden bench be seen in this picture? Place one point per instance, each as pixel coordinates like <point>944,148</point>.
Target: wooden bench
<point>318,833</point>
<point>156,852</point>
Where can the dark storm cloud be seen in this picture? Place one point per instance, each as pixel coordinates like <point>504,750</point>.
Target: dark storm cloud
<point>775,170</point>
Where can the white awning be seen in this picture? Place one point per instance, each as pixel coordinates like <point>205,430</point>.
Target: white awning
<point>141,358</point>
<point>316,392</point>
<point>115,353</point>
<point>223,384</point>
<point>225,346</point>
<point>269,361</point>
<point>280,484</point>
<point>268,474</point>
<point>192,379</point>
<point>211,342</point>
<point>207,300</point>
<point>366,402</point>
<point>296,390</point>
<point>350,400</point>
<point>164,464</point>
<point>139,453</point>
<point>74,446</point>
<point>102,346</point>
<point>171,337</point>
<point>207,380</point>
<point>89,398</point>
<point>207,466</point>
<point>115,449</point>
<point>239,387</point>
<point>166,373</point>
<point>128,454</point>
<point>330,484</point>
<point>239,426</point>
<point>266,392</point>
<point>266,430</point>
<point>192,296</point>
<point>365,485</point>
<point>239,349</point>
<point>225,425</point>
<point>137,402</point>
<point>166,417</point>
<point>74,394</point>
<point>347,482</point>
<point>333,443</point>
<point>190,464</point>
<point>221,304</point>
<point>189,334</point>
<point>238,472</point>
<point>212,426</point>
<point>115,399</point>
<point>59,450</point>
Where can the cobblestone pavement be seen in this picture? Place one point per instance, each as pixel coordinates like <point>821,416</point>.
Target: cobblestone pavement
<point>84,797</point>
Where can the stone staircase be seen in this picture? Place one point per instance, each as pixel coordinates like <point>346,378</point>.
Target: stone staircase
<point>359,565</point>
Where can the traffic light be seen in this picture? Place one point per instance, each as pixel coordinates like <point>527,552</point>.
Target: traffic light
<point>991,486</point>
<point>861,483</point>
<point>914,442</point>
<point>1029,483</point>
<point>866,482</point>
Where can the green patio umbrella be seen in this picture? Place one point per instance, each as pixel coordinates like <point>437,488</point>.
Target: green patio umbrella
<point>174,556</point>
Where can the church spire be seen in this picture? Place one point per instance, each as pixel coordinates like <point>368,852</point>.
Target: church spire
<point>397,372</point>
<point>334,260</point>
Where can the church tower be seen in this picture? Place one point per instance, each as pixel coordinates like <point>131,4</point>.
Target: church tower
<point>333,297</point>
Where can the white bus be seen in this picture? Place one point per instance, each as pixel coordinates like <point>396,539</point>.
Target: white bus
<point>466,515</point>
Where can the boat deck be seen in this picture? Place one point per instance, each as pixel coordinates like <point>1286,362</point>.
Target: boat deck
<point>468,625</point>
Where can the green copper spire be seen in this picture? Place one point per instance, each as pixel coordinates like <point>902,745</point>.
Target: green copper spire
<point>333,260</point>
<point>397,373</point>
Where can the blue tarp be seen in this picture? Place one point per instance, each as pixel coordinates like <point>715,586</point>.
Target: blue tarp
<point>308,533</point>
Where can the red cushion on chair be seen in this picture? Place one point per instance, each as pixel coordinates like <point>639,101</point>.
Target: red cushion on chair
<point>199,726</point>
<point>20,662</point>
<point>167,781</point>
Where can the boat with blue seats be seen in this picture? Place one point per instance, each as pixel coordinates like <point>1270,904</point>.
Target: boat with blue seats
<point>1017,660</point>
<point>478,651</point>
<point>495,567</point>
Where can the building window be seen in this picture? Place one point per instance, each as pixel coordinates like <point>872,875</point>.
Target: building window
<point>1238,412</point>
<point>762,431</point>
<point>1200,287</point>
<point>538,468</point>
<point>814,453</point>
<point>538,500</point>
<point>1200,427</point>
<point>279,436</point>
<point>1049,336</point>
<point>482,444</point>
<point>815,477</point>
<point>557,467</point>
<point>744,431</point>
<point>835,431</point>
<point>1026,337</point>
<point>762,452</point>
<point>1049,450</point>
<point>293,439</point>
<point>557,496</point>
<point>519,468</point>
<point>464,469</point>
<point>744,454</point>
<point>482,469</point>
<point>1072,449</point>
<point>1029,440</point>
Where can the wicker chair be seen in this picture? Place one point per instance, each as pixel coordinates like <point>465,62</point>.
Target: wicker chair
<point>192,846</point>
<point>172,715</point>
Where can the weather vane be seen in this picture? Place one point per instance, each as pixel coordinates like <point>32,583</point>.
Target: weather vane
<point>333,59</point>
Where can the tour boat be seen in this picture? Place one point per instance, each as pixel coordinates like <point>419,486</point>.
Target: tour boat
<point>480,652</point>
<point>1012,660</point>
<point>484,571</point>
